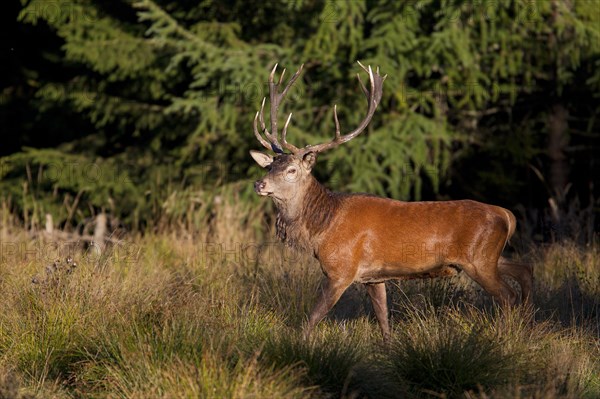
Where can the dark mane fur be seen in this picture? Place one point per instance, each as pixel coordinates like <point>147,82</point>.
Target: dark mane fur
<point>317,210</point>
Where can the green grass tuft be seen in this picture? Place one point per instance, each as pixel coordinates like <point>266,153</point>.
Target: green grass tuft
<point>445,352</point>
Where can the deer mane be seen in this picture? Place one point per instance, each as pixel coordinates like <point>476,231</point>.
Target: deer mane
<point>314,214</point>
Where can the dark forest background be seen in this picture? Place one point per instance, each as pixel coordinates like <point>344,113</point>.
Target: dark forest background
<point>142,110</point>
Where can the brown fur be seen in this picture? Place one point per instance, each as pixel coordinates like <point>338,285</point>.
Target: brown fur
<point>316,213</point>
<point>367,239</point>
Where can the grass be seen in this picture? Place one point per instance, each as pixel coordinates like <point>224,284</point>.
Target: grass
<point>446,351</point>
<point>166,317</point>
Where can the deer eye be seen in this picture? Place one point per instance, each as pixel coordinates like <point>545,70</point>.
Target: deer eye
<point>291,171</point>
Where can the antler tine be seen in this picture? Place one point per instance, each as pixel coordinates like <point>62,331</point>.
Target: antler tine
<point>262,118</point>
<point>272,74</point>
<point>337,123</point>
<point>372,80</point>
<point>281,76</point>
<point>362,86</point>
<point>370,72</point>
<point>275,99</point>
<point>291,82</point>
<point>292,148</point>
<point>373,96</point>
<point>363,67</point>
<point>264,142</point>
<point>263,126</point>
<point>275,146</point>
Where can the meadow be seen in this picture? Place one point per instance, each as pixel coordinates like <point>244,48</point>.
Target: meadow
<point>137,261</point>
<point>217,313</point>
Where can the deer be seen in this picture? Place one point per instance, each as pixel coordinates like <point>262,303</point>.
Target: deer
<point>362,238</point>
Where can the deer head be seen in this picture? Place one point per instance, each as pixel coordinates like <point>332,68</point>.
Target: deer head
<point>289,173</point>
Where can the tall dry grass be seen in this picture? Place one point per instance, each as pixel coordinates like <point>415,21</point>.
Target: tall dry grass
<point>217,312</point>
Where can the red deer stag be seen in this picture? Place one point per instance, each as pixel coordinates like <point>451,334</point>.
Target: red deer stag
<point>366,239</point>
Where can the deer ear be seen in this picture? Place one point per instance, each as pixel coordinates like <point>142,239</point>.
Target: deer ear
<point>261,158</point>
<point>309,159</point>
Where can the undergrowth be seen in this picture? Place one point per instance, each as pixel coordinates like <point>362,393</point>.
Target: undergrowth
<point>174,318</point>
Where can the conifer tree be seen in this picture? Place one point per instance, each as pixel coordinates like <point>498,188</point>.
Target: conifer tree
<point>169,90</point>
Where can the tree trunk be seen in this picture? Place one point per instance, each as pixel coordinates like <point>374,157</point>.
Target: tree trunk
<point>558,139</point>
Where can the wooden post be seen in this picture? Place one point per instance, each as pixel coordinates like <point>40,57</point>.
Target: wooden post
<point>99,233</point>
<point>49,225</point>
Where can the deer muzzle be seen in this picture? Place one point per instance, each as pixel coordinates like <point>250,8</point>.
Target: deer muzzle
<point>260,187</point>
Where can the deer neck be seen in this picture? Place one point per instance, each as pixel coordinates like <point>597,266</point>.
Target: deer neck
<point>302,219</point>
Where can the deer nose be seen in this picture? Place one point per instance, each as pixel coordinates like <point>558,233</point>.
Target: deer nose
<point>259,185</point>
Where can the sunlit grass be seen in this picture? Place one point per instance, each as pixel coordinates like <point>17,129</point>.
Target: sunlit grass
<point>163,319</point>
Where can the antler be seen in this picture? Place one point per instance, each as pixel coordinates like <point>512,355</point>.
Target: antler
<point>275,98</point>
<point>373,97</point>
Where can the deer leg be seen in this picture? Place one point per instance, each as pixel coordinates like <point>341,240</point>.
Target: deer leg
<point>331,292</point>
<point>488,277</point>
<point>522,272</point>
<point>379,301</point>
